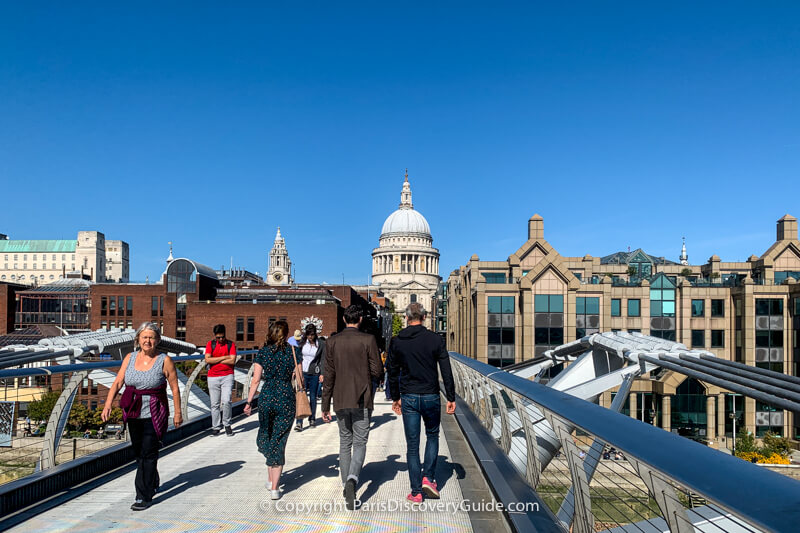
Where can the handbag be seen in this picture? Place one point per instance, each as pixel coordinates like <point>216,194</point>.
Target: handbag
<point>302,407</point>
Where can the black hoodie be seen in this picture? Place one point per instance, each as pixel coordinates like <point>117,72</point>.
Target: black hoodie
<point>413,355</point>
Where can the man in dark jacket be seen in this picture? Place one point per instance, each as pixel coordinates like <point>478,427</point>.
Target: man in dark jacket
<point>351,363</point>
<point>414,354</point>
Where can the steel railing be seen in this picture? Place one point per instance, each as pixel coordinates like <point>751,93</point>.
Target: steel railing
<point>597,469</point>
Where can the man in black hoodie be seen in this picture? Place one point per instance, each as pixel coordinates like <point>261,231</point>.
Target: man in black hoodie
<point>414,385</point>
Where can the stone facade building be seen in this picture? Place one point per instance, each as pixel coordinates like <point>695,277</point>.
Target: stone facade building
<point>406,265</point>
<point>503,312</point>
<point>37,262</point>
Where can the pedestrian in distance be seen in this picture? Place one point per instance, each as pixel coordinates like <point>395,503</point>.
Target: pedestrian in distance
<point>145,374</point>
<point>312,349</point>
<point>415,354</point>
<point>352,363</point>
<point>221,358</point>
<point>275,365</point>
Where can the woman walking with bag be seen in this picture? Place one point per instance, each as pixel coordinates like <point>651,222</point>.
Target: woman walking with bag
<point>275,363</point>
<point>312,350</point>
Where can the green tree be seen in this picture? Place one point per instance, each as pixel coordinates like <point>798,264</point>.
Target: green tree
<point>773,443</point>
<point>397,325</point>
<point>686,272</point>
<point>41,408</point>
<point>745,442</point>
<point>79,417</point>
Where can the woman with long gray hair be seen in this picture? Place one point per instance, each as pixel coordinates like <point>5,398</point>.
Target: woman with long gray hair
<point>145,408</point>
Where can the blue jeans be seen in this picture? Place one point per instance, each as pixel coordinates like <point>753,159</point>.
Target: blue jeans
<point>425,407</point>
<point>312,388</point>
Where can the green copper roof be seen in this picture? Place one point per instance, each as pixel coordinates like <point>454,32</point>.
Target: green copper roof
<point>38,246</point>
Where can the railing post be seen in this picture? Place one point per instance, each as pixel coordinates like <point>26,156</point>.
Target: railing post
<point>188,388</point>
<point>532,468</point>
<point>664,494</point>
<point>583,519</point>
<point>505,431</point>
<point>487,401</point>
<point>58,419</point>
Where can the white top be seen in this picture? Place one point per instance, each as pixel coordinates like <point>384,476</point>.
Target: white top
<point>309,352</point>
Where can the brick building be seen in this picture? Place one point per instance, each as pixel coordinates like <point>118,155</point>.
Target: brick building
<point>8,305</point>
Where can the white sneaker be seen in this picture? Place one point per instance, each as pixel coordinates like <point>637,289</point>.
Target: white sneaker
<point>268,485</point>
<point>275,494</point>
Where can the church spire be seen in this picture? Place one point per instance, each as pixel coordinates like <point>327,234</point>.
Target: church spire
<point>405,196</point>
<point>684,256</point>
<point>170,259</point>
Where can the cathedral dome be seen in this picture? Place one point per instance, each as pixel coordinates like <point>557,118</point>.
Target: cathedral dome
<point>405,221</point>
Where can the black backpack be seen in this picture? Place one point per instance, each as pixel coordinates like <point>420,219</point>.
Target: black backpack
<point>228,344</point>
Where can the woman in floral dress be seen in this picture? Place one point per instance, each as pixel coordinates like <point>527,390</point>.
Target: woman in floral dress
<point>275,364</point>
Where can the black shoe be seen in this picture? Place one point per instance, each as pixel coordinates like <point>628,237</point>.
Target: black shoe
<point>350,494</point>
<point>311,423</point>
<point>215,431</point>
<point>228,431</point>
<point>140,505</point>
<point>298,427</point>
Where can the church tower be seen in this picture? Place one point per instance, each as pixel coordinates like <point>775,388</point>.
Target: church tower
<point>280,266</point>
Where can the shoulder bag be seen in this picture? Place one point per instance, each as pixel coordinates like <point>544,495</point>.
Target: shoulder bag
<point>302,406</point>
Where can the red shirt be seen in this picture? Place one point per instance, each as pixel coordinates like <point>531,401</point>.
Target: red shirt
<point>221,350</point>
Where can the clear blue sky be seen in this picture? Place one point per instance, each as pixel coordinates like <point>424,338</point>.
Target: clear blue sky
<point>210,124</point>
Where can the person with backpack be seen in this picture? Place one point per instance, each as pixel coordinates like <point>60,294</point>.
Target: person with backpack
<point>221,357</point>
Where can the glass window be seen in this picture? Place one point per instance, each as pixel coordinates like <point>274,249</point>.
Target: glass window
<point>717,308</point>
<point>495,304</point>
<point>580,306</point>
<point>616,307</point>
<point>239,328</point>
<point>494,277</point>
<point>154,306</point>
<point>655,294</point>
<point>251,328</point>
<point>762,306</point>
<point>103,306</point>
<point>112,306</point>
<point>556,303</point>
<point>717,338</point>
<point>668,308</point>
<point>698,307</point>
<point>541,303</point>
<point>698,338</point>
<point>592,306</point>
<point>776,307</point>
<point>508,305</point>
<point>129,305</point>
<point>634,307</point>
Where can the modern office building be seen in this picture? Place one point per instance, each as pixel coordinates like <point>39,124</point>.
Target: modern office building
<point>38,262</point>
<point>502,312</point>
<point>406,265</point>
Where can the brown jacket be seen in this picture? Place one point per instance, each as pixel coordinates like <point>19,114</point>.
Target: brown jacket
<point>351,363</point>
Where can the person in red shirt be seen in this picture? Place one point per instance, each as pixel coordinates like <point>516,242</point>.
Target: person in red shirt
<point>220,356</point>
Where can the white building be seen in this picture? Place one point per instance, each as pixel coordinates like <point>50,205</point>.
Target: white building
<point>406,265</point>
<point>37,262</point>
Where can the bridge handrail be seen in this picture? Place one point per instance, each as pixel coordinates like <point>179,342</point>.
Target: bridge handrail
<point>750,492</point>
<point>94,365</point>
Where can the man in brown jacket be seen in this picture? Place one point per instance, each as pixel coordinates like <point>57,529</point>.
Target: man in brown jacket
<point>351,364</point>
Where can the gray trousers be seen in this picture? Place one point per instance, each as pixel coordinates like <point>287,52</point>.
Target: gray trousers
<point>353,434</point>
<point>220,391</point>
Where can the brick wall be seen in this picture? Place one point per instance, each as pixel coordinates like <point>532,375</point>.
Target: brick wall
<point>201,317</point>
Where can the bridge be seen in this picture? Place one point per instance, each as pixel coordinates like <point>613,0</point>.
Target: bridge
<point>518,456</point>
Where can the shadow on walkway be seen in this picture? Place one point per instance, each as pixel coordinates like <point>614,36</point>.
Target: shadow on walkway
<point>323,466</point>
<point>376,474</point>
<point>381,419</point>
<point>445,470</point>
<point>196,477</point>
<point>247,426</point>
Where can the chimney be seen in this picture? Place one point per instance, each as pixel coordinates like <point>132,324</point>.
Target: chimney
<point>536,227</point>
<point>787,228</point>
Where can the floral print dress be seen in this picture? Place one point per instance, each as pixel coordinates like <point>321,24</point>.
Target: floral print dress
<point>276,403</point>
